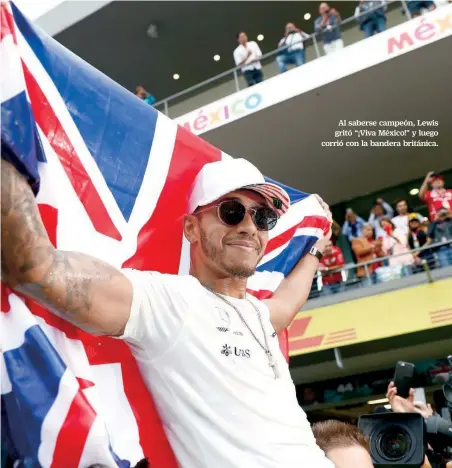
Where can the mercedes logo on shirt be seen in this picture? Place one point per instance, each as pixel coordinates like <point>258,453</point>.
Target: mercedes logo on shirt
<point>225,320</point>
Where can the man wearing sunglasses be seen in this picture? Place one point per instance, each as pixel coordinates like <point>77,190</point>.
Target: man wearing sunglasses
<point>207,350</point>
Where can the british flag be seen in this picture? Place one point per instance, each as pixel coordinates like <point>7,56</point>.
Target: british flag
<point>111,176</point>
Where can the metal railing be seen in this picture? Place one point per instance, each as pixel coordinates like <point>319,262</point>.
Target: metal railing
<point>233,73</point>
<point>431,259</point>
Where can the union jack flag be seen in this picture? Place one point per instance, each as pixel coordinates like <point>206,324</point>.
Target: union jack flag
<point>111,176</point>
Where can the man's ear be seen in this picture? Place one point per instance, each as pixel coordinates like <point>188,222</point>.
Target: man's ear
<point>191,228</point>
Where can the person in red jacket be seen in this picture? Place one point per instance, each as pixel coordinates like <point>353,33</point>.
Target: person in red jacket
<point>332,260</point>
<point>437,198</point>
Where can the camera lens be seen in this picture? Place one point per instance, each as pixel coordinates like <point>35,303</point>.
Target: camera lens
<point>394,443</point>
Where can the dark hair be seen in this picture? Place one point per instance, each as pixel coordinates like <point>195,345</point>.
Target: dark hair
<point>389,221</point>
<point>240,32</point>
<point>403,200</point>
<point>337,434</point>
<point>377,204</point>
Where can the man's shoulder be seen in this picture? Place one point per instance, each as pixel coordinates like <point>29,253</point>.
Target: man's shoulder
<point>238,49</point>
<point>170,280</point>
<point>253,44</point>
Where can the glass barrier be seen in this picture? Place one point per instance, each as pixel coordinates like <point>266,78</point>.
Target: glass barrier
<point>232,80</point>
<point>382,270</point>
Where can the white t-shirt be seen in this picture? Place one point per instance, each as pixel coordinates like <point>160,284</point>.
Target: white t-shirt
<point>401,223</point>
<point>219,401</point>
<point>242,51</point>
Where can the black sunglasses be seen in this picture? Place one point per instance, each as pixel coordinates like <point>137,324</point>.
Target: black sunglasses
<point>233,212</point>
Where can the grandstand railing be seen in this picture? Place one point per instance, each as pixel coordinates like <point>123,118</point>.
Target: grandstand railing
<point>382,274</point>
<point>230,81</point>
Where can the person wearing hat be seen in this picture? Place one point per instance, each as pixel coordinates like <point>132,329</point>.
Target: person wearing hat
<point>417,237</point>
<point>207,350</point>
<point>436,198</point>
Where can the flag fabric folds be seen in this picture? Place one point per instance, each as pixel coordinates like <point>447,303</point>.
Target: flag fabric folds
<point>112,177</point>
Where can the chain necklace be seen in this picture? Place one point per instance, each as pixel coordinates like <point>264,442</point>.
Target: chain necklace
<point>271,361</point>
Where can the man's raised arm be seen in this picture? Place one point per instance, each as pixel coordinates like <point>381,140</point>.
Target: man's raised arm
<point>84,290</point>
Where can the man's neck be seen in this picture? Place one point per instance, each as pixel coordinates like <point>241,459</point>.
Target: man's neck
<point>228,286</point>
<point>232,287</point>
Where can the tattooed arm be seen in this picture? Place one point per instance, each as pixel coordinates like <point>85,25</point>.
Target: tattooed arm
<point>87,292</point>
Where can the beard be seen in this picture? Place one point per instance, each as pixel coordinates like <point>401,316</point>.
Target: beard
<point>239,269</point>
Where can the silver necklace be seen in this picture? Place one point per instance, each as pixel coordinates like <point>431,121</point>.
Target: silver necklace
<point>271,361</point>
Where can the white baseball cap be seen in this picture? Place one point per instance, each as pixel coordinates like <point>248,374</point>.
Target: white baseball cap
<point>219,178</point>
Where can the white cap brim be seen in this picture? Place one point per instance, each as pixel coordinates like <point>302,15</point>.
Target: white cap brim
<point>222,177</point>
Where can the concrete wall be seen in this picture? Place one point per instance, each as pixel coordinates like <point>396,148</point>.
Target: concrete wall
<point>226,86</point>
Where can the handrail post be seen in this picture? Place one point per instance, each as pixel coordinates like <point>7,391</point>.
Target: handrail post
<point>369,280</point>
<point>165,104</point>
<point>427,270</point>
<point>405,9</point>
<point>316,45</point>
<point>236,80</point>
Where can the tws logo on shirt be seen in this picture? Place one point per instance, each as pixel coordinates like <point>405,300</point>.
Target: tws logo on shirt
<point>227,350</point>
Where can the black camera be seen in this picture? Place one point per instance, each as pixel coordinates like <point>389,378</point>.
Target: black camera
<point>395,439</point>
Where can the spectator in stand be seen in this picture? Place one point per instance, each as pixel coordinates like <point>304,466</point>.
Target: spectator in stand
<point>293,52</point>
<point>343,444</point>
<point>416,7</point>
<point>353,225</point>
<point>438,197</point>
<point>367,248</point>
<point>247,56</point>
<point>332,260</point>
<point>335,231</point>
<point>401,220</point>
<point>371,16</point>
<point>440,230</point>
<point>380,210</point>
<point>394,242</point>
<point>417,237</point>
<point>328,25</point>
<point>144,95</point>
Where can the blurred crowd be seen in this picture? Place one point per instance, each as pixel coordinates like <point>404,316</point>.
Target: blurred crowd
<point>394,235</point>
<point>370,15</point>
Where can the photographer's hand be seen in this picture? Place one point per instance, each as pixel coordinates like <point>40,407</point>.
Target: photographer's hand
<point>399,404</point>
<point>422,408</point>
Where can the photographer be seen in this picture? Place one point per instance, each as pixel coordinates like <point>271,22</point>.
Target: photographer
<point>293,52</point>
<point>441,231</point>
<point>408,405</point>
<point>328,25</point>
